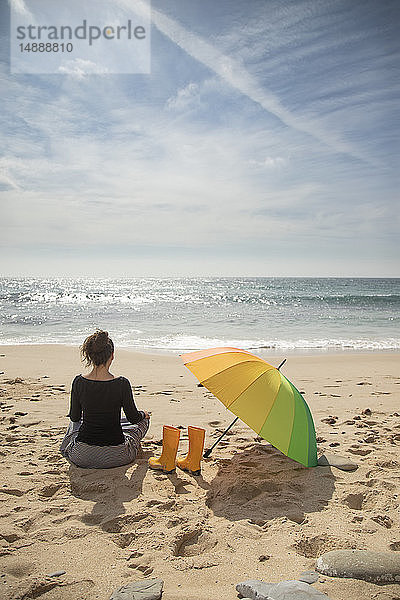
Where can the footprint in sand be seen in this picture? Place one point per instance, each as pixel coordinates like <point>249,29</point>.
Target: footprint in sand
<point>383,520</point>
<point>370,439</point>
<point>395,546</point>
<point>193,542</point>
<point>135,554</point>
<point>12,491</point>
<point>49,490</point>
<point>140,562</point>
<point>10,535</point>
<point>331,420</point>
<point>119,524</point>
<point>354,501</point>
<point>160,504</point>
<point>123,540</point>
<point>122,528</point>
<point>359,451</point>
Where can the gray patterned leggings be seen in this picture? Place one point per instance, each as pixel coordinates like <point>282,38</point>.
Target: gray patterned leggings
<point>103,457</point>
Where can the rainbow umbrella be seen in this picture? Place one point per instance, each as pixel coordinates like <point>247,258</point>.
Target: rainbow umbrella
<point>260,396</point>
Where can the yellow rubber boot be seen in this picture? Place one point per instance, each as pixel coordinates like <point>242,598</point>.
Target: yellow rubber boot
<point>166,462</point>
<point>192,461</point>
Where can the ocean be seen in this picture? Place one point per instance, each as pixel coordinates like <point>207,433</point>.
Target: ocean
<point>266,315</point>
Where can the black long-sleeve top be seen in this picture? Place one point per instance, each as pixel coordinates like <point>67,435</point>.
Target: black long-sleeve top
<point>101,403</point>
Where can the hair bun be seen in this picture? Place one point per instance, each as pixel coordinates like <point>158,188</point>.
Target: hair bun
<point>97,348</point>
<point>100,341</point>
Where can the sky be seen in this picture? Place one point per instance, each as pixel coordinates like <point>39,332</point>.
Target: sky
<point>263,142</point>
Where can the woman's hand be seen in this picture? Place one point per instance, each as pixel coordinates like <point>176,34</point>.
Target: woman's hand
<point>146,415</point>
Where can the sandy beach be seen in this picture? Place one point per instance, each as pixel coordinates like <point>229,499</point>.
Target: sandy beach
<point>253,514</point>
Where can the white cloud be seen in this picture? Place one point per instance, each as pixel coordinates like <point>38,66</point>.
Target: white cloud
<point>270,162</point>
<point>233,73</point>
<point>187,97</point>
<point>19,7</point>
<point>80,68</point>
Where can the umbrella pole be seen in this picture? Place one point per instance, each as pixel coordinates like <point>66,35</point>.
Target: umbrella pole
<point>208,452</point>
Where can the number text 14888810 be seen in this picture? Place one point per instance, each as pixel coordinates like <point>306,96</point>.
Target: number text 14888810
<point>49,47</point>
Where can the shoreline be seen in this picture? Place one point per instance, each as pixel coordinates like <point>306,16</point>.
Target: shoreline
<point>261,351</point>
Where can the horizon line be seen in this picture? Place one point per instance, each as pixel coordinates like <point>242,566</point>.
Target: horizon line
<point>198,277</point>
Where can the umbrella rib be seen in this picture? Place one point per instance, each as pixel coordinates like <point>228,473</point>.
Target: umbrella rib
<point>235,365</point>
<point>247,387</point>
<point>291,433</point>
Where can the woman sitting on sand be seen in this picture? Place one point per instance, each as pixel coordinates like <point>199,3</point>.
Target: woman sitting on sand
<point>100,439</point>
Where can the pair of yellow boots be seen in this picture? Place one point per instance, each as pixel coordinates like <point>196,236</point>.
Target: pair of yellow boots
<point>167,460</point>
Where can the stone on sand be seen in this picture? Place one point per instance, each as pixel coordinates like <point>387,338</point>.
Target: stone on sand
<point>309,577</point>
<point>377,567</point>
<point>333,460</point>
<point>146,589</point>
<point>284,590</point>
